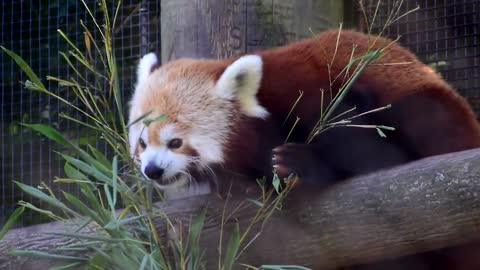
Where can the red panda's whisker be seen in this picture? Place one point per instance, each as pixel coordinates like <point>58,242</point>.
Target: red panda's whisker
<point>205,168</point>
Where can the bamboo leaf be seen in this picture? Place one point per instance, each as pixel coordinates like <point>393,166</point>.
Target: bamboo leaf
<point>83,123</point>
<point>143,265</point>
<point>380,132</point>
<point>82,208</point>
<point>93,199</point>
<point>276,182</point>
<point>232,248</point>
<point>73,67</point>
<point>39,210</point>
<point>25,68</point>
<point>194,236</point>
<point>256,202</point>
<point>197,226</point>
<point>11,221</point>
<point>139,119</point>
<point>80,58</point>
<point>100,157</point>
<point>61,82</point>
<point>115,182</point>
<point>99,261</point>
<point>147,122</point>
<point>110,201</point>
<point>88,43</point>
<point>32,86</point>
<point>56,136</point>
<point>90,237</point>
<point>368,58</point>
<point>50,133</point>
<point>283,267</point>
<point>82,245</point>
<point>40,254</point>
<point>73,173</point>
<point>44,197</point>
<point>64,36</point>
<point>386,127</point>
<point>114,224</point>
<point>89,170</point>
<point>74,265</point>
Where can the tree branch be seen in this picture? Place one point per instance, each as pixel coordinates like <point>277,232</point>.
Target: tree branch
<point>426,205</point>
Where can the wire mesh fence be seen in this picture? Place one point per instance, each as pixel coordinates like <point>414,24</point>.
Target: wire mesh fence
<point>444,34</point>
<point>29,28</point>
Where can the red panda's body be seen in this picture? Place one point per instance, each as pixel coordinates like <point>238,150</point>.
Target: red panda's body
<point>430,118</point>
<point>230,112</point>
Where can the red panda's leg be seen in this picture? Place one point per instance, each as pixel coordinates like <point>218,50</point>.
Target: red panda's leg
<point>338,154</point>
<point>299,159</point>
<point>434,121</point>
<point>342,151</point>
<point>427,123</point>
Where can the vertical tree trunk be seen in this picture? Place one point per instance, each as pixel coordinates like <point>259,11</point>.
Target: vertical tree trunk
<point>221,28</point>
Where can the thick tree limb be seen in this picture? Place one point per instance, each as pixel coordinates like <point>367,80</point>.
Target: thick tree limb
<point>426,205</point>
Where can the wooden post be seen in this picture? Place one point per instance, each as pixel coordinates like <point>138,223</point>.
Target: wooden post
<point>221,28</point>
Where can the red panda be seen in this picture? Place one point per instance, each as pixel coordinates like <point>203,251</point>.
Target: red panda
<point>231,113</point>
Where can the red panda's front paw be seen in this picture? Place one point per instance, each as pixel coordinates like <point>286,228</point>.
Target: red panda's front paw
<point>291,158</point>
<point>304,161</point>
<point>280,162</point>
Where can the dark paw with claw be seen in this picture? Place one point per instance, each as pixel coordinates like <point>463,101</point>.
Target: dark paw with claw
<point>292,158</point>
<point>301,160</point>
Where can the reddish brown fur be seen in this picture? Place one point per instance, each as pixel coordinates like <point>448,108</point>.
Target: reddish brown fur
<point>397,77</point>
<point>429,116</point>
<point>303,66</point>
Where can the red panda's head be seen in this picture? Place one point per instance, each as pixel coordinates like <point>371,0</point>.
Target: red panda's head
<point>200,100</point>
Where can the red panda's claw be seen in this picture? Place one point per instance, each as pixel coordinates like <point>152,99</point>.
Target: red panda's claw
<point>281,171</point>
<point>281,155</point>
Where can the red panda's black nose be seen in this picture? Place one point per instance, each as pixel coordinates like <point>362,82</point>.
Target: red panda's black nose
<point>154,172</point>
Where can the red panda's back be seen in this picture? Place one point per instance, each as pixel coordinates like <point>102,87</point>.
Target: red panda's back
<point>430,116</point>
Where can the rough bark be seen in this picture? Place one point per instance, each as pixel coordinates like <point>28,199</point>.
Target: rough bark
<point>426,205</point>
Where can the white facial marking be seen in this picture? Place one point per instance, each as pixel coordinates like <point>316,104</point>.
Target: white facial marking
<point>167,133</point>
<point>208,149</point>
<point>144,70</point>
<point>161,156</point>
<point>145,66</point>
<point>133,136</point>
<point>241,81</point>
<point>172,163</point>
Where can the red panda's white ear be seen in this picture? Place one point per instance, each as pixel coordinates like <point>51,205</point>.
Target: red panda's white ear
<point>146,66</point>
<point>240,81</point>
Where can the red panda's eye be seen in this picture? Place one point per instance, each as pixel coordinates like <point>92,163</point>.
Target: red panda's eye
<point>142,143</point>
<point>175,143</point>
